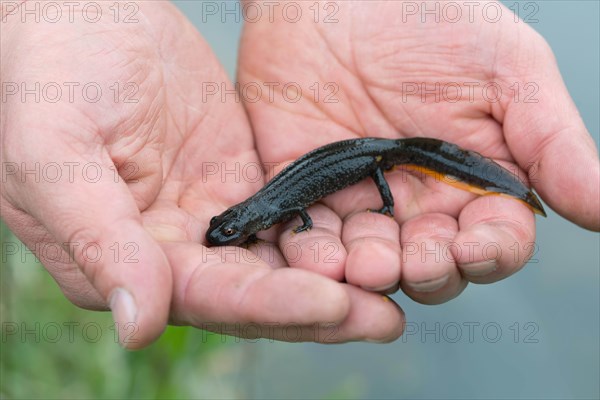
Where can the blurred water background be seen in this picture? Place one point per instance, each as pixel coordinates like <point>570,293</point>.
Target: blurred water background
<point>534,335</point>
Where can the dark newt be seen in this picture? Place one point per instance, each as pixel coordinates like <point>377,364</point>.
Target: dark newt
<point>337,165</point>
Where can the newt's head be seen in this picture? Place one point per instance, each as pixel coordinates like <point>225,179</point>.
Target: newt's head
<point>232,227</point>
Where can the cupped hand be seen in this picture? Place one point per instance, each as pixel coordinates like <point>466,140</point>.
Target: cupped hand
<point>131,167</point>
<point>352,69</point>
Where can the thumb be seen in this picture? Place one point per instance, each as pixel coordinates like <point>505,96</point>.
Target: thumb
<point>90,211</point>
<point>549,140</point>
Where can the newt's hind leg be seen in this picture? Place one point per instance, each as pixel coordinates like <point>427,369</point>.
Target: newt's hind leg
<point>307,222</point>
<point>385,192</point>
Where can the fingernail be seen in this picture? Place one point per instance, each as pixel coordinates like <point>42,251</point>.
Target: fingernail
<point>377,341</point>
<point>429,286</point>
<point>124,312</point>
<point>380,288</point>
<point>481,268</point>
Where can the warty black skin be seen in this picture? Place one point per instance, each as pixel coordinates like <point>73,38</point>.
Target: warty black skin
<point>337,165</point>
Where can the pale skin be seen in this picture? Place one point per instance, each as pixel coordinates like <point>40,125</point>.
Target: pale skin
<point>164,204</point>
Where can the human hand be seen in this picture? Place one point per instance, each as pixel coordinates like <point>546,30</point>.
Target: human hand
<point>141,219</point>
<point>374,61</point>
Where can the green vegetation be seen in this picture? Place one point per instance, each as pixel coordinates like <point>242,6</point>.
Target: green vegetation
<point>52,349</point>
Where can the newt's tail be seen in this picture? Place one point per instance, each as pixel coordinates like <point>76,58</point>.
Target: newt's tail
<point>465,169</point>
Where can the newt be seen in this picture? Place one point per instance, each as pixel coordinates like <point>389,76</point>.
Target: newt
<point>338,165</point>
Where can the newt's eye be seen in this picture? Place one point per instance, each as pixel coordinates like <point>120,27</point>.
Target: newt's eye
<point>228,231</point>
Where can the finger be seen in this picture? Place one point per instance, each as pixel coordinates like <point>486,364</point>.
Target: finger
<point>373,244</point>
<point>222,285</point>
<point>252,300</point>
<point>429,272</point>
<point>549,140</point>
<point>373,317</point>
<point>98,222</point>
<point>319,249</point>
<point>269,253</point>
<point>496,237</point>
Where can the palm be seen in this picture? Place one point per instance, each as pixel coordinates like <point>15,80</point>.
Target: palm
<point>378,72</point>
<point>166,135</point>
<point>148,124</point>
<point>170,138</point>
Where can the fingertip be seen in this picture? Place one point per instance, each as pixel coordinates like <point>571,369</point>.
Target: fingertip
<point>549,139</point>
<point>392,322</point>
<point>140,300</point>
<point>373,317</point>
<point>571,187</point>
<point>439,292</point>
<point>134,277</point>
<point>319,249</point>
<point>132,330</point>
<point>429,273</point>
<point>373,244</point>
<point>486,253</point>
